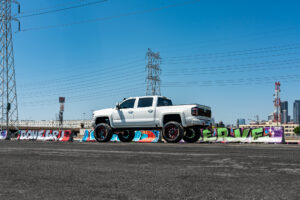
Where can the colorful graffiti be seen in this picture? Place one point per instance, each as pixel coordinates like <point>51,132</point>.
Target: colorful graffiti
<point>140,136</point>
<point>45,135</point>
<point>3,135</point>
<point>247,135</point>
<point>88,136</point>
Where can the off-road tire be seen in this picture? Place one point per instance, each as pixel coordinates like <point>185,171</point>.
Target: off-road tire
<point>173,132</point>
<point>103,132</point>
<point>192,135</point>
<point>126,136</point>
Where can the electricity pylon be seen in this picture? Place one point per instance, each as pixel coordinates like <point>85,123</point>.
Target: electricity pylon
<point>153,66</point>
<point>8,98</point>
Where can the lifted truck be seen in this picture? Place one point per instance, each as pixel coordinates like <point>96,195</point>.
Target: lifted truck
<point>151,113</point>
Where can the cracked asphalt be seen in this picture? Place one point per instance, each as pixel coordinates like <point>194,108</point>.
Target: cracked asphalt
<point>45,170</point>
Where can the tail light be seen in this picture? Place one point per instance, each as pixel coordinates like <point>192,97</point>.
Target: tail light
<point>195,111</point>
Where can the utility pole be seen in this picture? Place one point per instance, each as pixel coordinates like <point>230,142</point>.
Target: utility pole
<point>257,118</point>
<point>62,101</point>
<point>9,105</point>
<point>153,67</point>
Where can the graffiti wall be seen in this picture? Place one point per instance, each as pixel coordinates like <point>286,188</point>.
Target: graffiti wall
<point>259,135</point>
<point>45,135</point>
<point>225,135</point>
<point>263,135</point>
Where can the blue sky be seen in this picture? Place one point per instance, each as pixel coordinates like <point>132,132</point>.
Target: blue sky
<point>225,54</point>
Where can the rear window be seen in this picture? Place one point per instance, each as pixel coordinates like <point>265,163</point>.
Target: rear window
<point>164,102</point>
<point>145,102</point>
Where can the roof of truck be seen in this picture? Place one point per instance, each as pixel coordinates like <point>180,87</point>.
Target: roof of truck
<point>147,96</point>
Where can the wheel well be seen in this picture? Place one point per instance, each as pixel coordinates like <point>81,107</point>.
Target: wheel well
<point>174,117</point>
<point>102,120</point>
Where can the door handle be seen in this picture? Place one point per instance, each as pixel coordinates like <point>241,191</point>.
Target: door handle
<point>150,111</point>
<point>130,112</point>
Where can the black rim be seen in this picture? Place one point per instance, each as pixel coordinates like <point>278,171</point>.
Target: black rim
<point>126,134</point>
<point>190,133</point>
<point>172,131</point>
<point>101,132</point>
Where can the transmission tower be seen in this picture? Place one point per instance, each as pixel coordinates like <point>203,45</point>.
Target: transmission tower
<point>277,102</point>
<point>9,105</point>
<point>153,65</point>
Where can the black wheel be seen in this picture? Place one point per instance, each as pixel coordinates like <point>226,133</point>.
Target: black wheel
<point>103,132</point>
<point>173,132</point>
<point>192,135</point>
<point>126,136</point>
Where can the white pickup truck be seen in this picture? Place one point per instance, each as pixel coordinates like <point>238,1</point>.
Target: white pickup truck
<point>151,113</point>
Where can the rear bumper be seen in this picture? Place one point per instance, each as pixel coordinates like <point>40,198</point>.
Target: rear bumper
<point>197,122</point>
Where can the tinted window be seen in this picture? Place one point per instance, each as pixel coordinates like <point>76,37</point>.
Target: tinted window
<point>145,102</point>
<point>127,104</point>
<point>164,102</point>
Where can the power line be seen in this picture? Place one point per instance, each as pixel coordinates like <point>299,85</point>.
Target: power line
<point>113,17</point>
<point>234,68</point>
<point>103,80</point>
<point>236,53</point>
<point>83,98</point>
<point>233,59</point>
<point>237,81</point>
<point>64,79</point>
<point>228,41</point>
<point>62,9</point>
<point>80,88</point>
<point>54,6</point>
<point>89,75</point>
<point>85,75</point>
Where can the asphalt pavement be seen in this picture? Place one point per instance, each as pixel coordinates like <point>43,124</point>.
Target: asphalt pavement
<point>45,170</point>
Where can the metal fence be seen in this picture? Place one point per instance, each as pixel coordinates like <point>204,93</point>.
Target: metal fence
<point>53,123</point>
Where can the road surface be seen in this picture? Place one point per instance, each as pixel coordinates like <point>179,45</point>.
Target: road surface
<point>45,170</point>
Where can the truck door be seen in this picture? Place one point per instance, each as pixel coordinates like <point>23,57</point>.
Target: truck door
<point>123,117</point>
<point>144,113</point>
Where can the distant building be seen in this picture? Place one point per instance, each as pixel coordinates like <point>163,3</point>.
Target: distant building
<point>271,117</point>
<point>297,112</point>
<point>240,122</point>
<point>213,121</point>
<point>284,110</point>
<point>220,124</point>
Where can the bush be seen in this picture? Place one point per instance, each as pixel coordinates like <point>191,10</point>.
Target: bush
<point>297,130</point>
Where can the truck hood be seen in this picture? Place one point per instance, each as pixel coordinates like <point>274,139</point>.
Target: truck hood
<point>103,112</point>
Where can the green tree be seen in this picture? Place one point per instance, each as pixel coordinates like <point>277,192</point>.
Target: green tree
<point>297,130</point>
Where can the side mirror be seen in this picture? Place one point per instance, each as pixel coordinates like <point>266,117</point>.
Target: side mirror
<point>118,106</point>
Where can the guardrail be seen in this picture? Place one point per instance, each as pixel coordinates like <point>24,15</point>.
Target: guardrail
<point>292,138</point>
<point>52,124</point>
